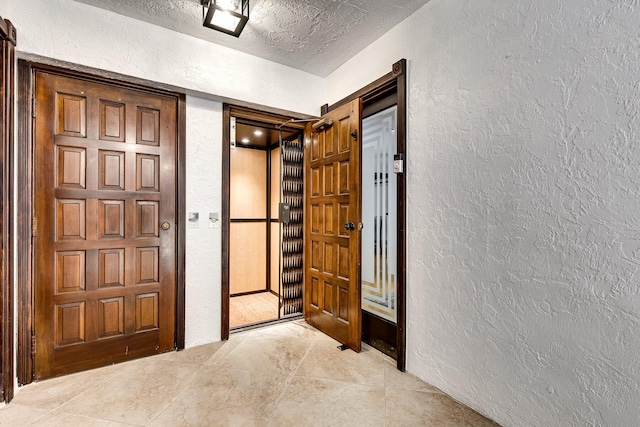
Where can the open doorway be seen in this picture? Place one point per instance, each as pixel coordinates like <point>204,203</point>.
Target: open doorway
<point>262,218</point>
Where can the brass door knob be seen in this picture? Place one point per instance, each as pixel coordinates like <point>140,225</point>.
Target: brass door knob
<point>165,225</point>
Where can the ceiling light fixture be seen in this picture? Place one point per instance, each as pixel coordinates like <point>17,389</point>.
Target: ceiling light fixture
<point>227,16</point>
<point>257,132</point>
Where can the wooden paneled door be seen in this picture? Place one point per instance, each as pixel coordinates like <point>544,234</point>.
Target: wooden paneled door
<point>332,235</point>
<point>105,224</point>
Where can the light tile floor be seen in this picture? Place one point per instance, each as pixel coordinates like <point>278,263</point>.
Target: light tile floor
<point>284,375</point>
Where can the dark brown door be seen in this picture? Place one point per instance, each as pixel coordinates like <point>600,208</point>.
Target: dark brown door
<point>105,206</point>
<point>332,243</point>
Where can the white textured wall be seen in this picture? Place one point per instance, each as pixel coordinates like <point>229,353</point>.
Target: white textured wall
<point>524,204</point>
<point>204,194</point>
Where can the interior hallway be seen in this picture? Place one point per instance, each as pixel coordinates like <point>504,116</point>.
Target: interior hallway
<point>284,375</point>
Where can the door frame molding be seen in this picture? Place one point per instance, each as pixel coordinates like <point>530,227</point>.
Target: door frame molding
<point>261,114</point>
<point>8,43</point>
<point>25,154</point>
<point>395,79</point>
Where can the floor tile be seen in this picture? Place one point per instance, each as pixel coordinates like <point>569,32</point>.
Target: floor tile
<point>136,394</point>
<point>266,354</point>
<point>51,393</point>
<point>197,355</point>
<point>294,329</point>
<point>15,414</point>
<point>288,374</point>
<point>317,402</point>
<point>61,419</point>
<point>225,348</point>
<point>326,361</point>
<point>226,397</point>
<point>418,408</point>
<point>406,381</point>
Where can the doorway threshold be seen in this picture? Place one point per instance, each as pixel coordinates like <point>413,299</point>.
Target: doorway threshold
<point>381,346</point>
<point>264,323</point>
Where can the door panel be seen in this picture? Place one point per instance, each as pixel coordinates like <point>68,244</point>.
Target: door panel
<point>105,178</point>
<point>332,260</point>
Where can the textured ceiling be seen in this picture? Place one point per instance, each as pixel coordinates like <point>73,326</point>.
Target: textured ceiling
<point>316,36</point>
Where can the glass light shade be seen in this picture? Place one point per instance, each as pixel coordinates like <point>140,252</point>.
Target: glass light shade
<point>227,16</point>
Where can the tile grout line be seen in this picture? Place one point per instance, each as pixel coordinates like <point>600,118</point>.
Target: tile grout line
<point>386,408</point>
<point>162,411</point>
<point>201,367</point>
<point>66,402</point>
<point>289,380</point>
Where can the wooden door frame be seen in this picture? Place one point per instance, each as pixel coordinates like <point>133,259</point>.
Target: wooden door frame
<point>25,154</point>
<point>396,79</point>
<point>256,113</point>
<point>8,42</point>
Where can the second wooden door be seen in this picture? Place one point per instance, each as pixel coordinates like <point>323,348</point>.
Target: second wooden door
<point>332,234</point>
<point>105,230</point>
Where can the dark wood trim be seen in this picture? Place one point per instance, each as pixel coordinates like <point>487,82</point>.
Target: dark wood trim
<point>4,29</point>
<point>373,88</point>
<point>259,291</point>
<point>226,192</point>
<point>266,116</point>
<point>181,224</point>
<point>385,338</point>
<point>379,104</point>
<point>24,225</point>
<point>26,72</point>
<point>8,42</point>
<point>98,78</point>
<point>267,125</point>
<point>396,80</point>
<point>8,31</point>
<point>267,281</point>
<point>402,215</point>
<point>251,147</point>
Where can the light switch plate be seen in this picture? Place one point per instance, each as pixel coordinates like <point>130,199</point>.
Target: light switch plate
<point>398,163</point>
<point>194,220</point>
<point>214,221</point>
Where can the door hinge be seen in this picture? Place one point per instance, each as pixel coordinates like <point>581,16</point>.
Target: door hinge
<point>34,227</point>
<point>33,345</point>
<point>33,107</point>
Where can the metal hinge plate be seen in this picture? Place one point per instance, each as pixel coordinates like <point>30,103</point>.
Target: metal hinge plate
<point>33,107</point>
<point>34,227</point>
<point>33,345</point>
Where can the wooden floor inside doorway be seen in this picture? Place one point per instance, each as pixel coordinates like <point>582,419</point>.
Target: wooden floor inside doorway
<point>253,308</point>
